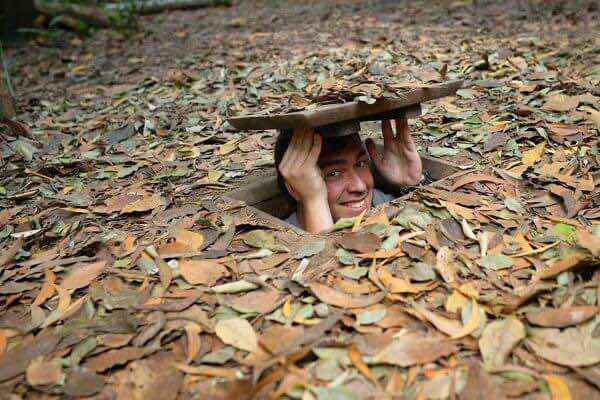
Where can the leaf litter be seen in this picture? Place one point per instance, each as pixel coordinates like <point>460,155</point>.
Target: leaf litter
<point>123,270</point>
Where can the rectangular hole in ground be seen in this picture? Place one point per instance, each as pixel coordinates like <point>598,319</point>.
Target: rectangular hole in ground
<point>265,199</point>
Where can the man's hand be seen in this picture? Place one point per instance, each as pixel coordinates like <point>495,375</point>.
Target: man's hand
<point>400,163</point>
<point>304,181</point>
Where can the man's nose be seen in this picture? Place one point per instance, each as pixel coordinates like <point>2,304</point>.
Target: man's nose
<point>356,183</point>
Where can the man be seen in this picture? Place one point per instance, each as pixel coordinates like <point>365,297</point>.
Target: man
<point>332,179</point>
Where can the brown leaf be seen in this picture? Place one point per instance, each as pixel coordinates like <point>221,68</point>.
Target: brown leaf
<point>41,372</point>
<point>573,347</point>
<point>343,300</point>
<point>445,264</point>
<point>16,360</point>
<point>192,332</point>
<point>47,289</point>
<point>561,317</point>
<point>82,275</point>
<point>278,338</point>
<point>399,285</point>
<point>413,349</point>
<point>589,241</point>
<point>559,266</point>
<point>143,204</point>
<point>360,242</point>
<point>263,300</point>
<point>201,272</point>
<point>561,102</point>
<point>470,178</point>
<point>113,358</point>
<point>83,383</point>
<point>498,339</point>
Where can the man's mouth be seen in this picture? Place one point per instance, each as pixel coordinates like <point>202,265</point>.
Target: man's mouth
<point>357,205</point>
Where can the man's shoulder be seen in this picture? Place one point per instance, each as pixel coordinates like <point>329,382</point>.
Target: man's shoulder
<point>380,197</point>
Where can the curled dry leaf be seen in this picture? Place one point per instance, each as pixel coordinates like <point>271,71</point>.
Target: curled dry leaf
<point>343,300</point>
<point>238,333</point>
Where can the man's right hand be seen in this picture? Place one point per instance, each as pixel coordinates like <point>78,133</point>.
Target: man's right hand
<point>299,168</point>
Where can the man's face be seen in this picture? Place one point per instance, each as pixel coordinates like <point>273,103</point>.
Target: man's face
<point>345,166</point>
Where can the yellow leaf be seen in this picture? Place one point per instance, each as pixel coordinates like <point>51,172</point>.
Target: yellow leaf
<point>533,155</point>
<point>455,302</point>
<point>472,324</point>
<point>359,364</point>
<point>558,387</point>
<point>287,308</point>
<point>189,239</point>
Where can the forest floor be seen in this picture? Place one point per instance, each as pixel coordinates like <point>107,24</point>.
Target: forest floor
<point>124,273</point>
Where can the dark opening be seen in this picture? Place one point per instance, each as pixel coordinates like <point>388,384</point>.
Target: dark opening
<point>264,197</point>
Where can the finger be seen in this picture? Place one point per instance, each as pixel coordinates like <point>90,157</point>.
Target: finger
<point>305,146</point>
<point>315,150</point>
<point>402,130</point>
<point>289,152</point>
<point>372,149</point>
<point>296,149</point>
<point>388,133</point>
<point>403,134</point>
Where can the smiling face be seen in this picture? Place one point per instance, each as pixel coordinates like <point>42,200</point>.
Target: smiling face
<point>345,165</point>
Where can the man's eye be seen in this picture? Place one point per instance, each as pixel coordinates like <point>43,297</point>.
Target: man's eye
<point>333,174</point>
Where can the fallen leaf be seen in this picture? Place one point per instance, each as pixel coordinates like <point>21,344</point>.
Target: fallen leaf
<point>561,102</point>
<point>530,157</point>
<point>561,317</point>
<point>238,333</point>
<point>498,339</point>
<point>343,300</point>
<point>573,347</point>
<point>82,275</point>
<point>41,372</point>
<point>360,242</point>
<point>413,349</point>
<point>201,272</point>
<point>558,387</point>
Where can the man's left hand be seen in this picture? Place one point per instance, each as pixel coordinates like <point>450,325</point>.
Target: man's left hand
<point>400,163</point>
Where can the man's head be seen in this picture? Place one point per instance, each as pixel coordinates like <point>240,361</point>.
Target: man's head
<point>345,164</point>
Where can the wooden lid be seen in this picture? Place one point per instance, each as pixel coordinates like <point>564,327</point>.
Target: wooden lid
<point>328,118</point>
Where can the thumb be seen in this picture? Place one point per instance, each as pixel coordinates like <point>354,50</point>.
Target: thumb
<point>372,149</point>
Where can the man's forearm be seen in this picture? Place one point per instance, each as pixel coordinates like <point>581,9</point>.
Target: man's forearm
<point>315,216</point>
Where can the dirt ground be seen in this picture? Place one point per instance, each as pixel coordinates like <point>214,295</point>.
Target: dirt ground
<point>125,274</point>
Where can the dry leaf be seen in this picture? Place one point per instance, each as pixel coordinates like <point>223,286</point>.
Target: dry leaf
<point>82,275</point>
<point>192,332</point>
<point>412,349</point>
<point>561,102</point>
<point>201,272</point>
<point>498,339</point>
<point>360,242</point>
<point>41,372</point>
<point>561,317</point>
<point>343,300</point>
<point>558,387</point>
<point>359,364</point>
<point>238,333</point>
<point>533,155</point>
